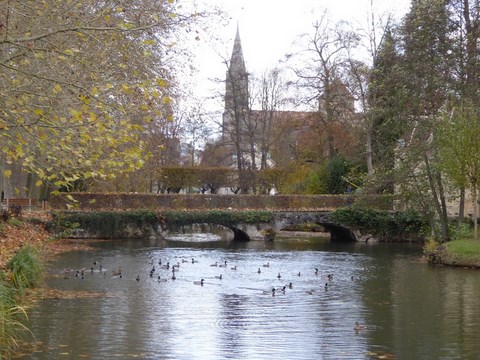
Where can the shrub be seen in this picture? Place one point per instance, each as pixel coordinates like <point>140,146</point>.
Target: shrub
<point>25,269</point>
<point>12,329</point>
<point>381,223</point>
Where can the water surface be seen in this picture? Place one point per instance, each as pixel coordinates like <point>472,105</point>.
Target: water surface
<point>411,310</point>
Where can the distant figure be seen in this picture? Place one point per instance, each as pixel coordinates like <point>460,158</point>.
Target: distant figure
<point>279,276</point>
<point>349,195</point>
<point>359,327</point>
<point>259,271</point>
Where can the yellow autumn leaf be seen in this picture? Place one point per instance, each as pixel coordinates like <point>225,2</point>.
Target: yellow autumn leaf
<point>57,88</point>
<point>7,173</point>
<point>39,183</point>
<point>162,83</point>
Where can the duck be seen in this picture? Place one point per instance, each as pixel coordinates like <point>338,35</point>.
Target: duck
<point>310,292</point>
<point>137,278</point>
<point>167,266</point>
<point>199,282</point>
<point>299,274</point>
<point>316,271</point>
<point>259,271</point>
<point>194,261</point>
<point>266,265</point>
<point>223,265</point>
<point>234,268</point>
<point>290,285</point>
<point>268,292</point>
<point>161,279</point>
<point>279,276</point>
<point>219,277</point>
<point>117,272</point>
<point>330,277</point>
<point>282,289</point>
<point>216,264</point>
<point>184,261</point>
<point>358,327</point>
<point>326,286</point>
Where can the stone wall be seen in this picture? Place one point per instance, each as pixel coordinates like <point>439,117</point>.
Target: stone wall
<point>123,201</point>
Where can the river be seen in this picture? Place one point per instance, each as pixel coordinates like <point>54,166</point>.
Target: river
<point>407,309</point>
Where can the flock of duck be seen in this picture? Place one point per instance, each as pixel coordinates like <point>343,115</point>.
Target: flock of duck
<point>157,272</point>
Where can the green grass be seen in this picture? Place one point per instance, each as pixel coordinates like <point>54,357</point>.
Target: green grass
<point>469,248</point>
<point>26,269</point>
<point>462,252</point>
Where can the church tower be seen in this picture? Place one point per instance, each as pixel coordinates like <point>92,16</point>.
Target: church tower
<point>236,94</point>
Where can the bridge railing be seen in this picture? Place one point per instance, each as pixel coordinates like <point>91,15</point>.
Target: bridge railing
<point>124,201</point>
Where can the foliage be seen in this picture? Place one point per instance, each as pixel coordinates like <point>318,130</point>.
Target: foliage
<point>295,180</point>
<point>314,183</point>
<point>105,223</point>
<point>460,231</point>
<point>430,247</point>
<point>172,179</point>
<point>463,252</point>
<point>381,223</point>
<point>15,222</point>
<point>335,173</point>
<point>82,83</point>
<point>271,179</point>
<point>12,329</point>
<point>25,269</point>
<point>458,137</point>
<point>226,218</point>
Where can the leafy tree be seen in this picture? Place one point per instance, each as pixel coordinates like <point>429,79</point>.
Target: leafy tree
<point>335,175</point>
<point>80,79</point>
<point>459,136</point>
<point>425,82</point>
<point>386,104</point>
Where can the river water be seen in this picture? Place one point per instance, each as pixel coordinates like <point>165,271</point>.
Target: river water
<point>410,310</point>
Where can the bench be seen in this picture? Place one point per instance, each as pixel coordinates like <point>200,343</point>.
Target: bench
<point>22,203</point>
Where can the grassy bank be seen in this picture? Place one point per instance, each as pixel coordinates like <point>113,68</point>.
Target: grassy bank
<point>463,252</point>
<point>21,241</point>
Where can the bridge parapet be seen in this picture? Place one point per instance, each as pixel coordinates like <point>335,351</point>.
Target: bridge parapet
<point>129,201</point>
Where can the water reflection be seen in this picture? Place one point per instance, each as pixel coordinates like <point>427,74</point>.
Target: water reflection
<point>411,310</point>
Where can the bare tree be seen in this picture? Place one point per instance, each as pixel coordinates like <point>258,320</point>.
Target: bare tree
<point>320,77</point>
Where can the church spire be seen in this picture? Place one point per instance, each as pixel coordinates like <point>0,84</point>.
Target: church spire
<point>237,62</point>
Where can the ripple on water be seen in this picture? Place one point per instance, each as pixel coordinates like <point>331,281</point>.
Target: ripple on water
<point>235,317</point>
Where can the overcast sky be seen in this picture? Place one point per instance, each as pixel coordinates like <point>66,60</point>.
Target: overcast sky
<point>269,27</point>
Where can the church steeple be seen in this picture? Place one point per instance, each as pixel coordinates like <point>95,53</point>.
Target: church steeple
<point>236,89</point>
<point>236,61</point>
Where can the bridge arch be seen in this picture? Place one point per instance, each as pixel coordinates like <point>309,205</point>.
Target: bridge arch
<point>281,220</point>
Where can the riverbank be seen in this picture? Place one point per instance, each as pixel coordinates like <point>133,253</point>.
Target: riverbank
<point>460,253</point>
<point>29,229</point>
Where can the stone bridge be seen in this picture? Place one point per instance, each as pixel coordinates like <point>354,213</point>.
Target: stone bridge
<point>287,210</point>
<point>282,220</point>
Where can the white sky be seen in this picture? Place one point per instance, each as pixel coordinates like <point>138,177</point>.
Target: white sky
<point>269,27</point>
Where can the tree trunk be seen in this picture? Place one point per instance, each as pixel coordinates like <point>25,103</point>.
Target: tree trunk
<point>461,207</point>
<point>475,211</point>
<point>437,195</point>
